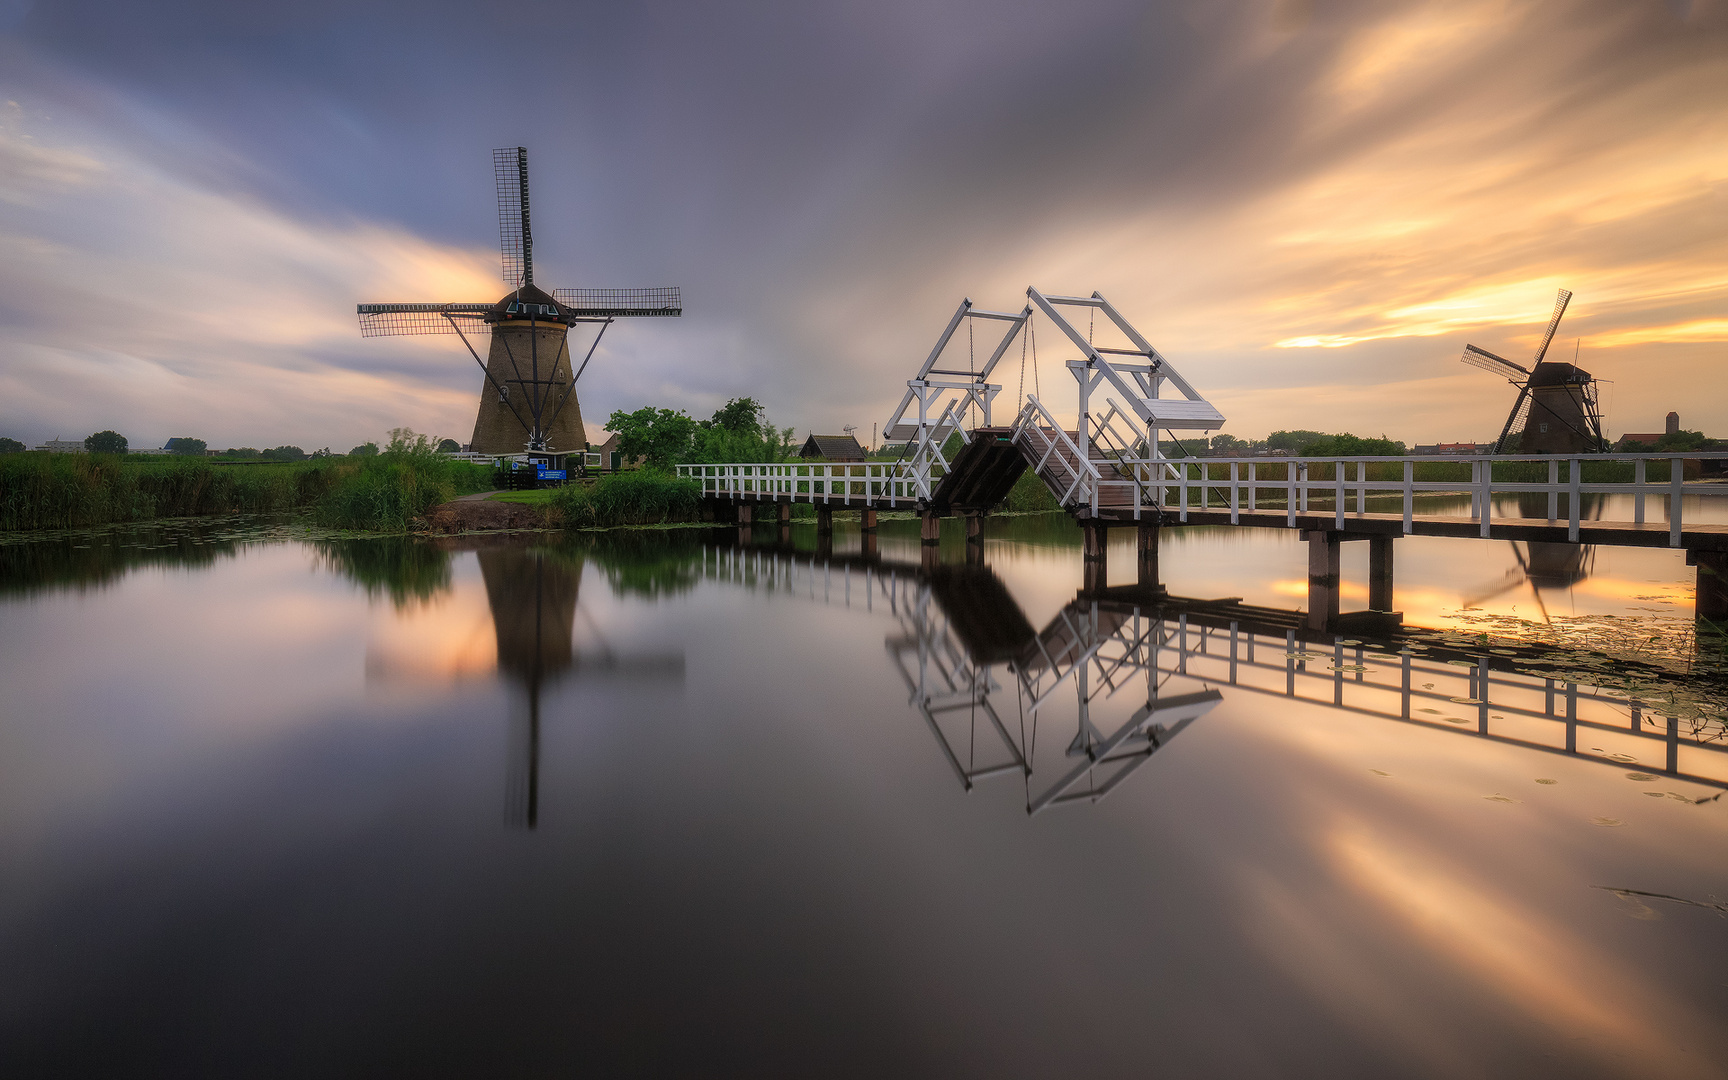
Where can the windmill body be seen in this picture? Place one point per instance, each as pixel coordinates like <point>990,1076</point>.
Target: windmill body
<point>528,398</point>
<point>1562,415</point>
<point>529,359</point>
<point>1556,410</point>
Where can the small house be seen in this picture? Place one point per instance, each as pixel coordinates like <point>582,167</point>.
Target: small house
<point>832,448</point>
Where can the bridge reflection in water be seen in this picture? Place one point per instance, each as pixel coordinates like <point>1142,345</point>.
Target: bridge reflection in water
<point>1132,667</point>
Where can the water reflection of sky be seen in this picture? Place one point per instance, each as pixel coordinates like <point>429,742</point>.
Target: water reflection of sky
<point>250,814</point>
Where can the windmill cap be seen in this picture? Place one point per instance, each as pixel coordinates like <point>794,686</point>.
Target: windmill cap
<point>1558,374</point>
<point>531,295</point>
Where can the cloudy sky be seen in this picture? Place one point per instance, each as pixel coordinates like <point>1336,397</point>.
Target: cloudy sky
<point>1309,206</point>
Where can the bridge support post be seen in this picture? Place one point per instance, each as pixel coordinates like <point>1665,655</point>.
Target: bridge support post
<point>745,512</point>
<point>929,557</point>
<point>1322,579</point>
<point>1095,548</point>
<point>785,512</point>
<point>824,521</point>
<point>930,531</point>
<point>1146,553</point>
<point>1380,573</point>
<point>868,549</point>
<point>1711,595</point>
<point>974,528</point>
<point>867,519</point>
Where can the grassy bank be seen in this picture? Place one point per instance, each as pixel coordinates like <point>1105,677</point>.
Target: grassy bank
<point>643,497</point>
<point>386,493</point>
<point>62,491</point>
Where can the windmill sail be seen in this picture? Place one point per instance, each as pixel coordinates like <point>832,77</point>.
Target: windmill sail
<point>1560,302</point>
<point>510,167</point>
<point>401,320</point>
<point>1499,365</point>
<point>621,303</point>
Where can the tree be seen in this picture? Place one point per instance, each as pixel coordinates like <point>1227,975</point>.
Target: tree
<point>1683,440</point>
<point>1223,444</point>
<point>449,446</point>
<point>11,446</point>
<point>1347,445</point>
<point>105,442</point>
<point>367,449</point>
<point>324,453</point>
<point>662,437</point>
<point>410,442</point>
<point>741,415</point>
<point>284,453</point>
<point>240,452</point>
<point>1292,441</point>
<point>189,447</point>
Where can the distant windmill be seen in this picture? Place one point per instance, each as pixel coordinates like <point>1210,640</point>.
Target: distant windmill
<point>532,404</point>
<point>1556,403</point>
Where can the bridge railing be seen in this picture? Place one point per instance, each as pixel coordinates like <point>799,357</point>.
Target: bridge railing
<point>854,483</point>
<point>1303,485</point>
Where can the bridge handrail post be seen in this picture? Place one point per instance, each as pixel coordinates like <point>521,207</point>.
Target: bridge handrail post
<point>1338,468</point>
<point>1184,515</point>
<point>1638,491</point>
<point>1409,494</point>
<point>1574,485</point>
<point>1306,483</point>
<point>1676,480</point>
<point>1252,471</point>
<point>1554,489</point>
<point>1290,494</point>
<point>1235,518</point>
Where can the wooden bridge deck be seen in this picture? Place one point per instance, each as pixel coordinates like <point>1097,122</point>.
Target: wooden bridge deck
<point>1702,536</point>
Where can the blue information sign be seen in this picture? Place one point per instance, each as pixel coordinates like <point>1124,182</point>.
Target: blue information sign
<point>553,474</point>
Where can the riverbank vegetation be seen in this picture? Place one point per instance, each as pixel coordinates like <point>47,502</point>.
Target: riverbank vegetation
<point>645,496</point>
<point>385,492</point>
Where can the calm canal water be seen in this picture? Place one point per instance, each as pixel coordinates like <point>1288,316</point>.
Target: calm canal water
<point>681,803</point>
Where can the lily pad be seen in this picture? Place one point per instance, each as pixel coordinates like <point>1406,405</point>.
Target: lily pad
<point>1545,780</point>
<point>1607,822</point>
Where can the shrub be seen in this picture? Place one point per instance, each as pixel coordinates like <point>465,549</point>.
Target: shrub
<point>387,492</point>
<point>643,497</point>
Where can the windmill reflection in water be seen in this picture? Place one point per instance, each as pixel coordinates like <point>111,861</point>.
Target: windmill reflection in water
<point>533,593</point>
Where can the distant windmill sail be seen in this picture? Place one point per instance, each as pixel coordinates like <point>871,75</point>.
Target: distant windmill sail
<point>1556,410</point>
<point>528,400</point>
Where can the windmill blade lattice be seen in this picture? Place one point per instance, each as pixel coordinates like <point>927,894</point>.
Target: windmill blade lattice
<point>1499,365</point>
<point>402,320</point>
<point>515,238</point>
<point>621,303</point>
<point>1560,301</point>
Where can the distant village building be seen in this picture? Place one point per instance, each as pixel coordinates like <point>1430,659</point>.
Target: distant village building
<point>833,448</point>
<point>1453,448</point>
<point>63,446</point>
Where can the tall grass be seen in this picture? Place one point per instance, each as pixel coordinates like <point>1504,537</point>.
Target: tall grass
<point>59,491</point>
<point>1029,494</point>
<point>386,493</point>
<point>642,497</point>
<point>64,491</point>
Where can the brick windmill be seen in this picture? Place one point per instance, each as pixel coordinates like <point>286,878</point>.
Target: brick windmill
<point>528,401</point>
